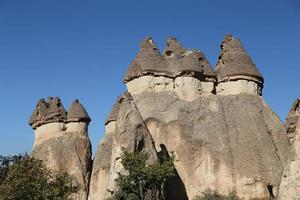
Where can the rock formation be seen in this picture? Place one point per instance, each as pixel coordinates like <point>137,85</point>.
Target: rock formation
<point>236,71</point>
<point>125,129</point>
<point>186,72</point>
<point>223,134</point>
<point>290,184</point>
<point>62,142</point>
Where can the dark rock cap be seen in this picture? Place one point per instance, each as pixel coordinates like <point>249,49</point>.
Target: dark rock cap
<point>234,61</point>
<point>47,112</point>
<point>173,48</point>
<point>207,69</point>
<point>175,61</point>
<point>77,113</point>
<point>147,61</point>
<point>114,113</point>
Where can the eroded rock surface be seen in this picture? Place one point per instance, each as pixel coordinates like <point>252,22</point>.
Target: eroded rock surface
<point>290,184</point>
<point>221,142</point>
<point>125,129</point>
<point>62,142</point>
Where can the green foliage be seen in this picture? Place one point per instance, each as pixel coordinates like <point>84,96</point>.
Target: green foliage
<point>29,179</point>
<point>5,163</point>
<point>213,195</point>
<point>142,181</point>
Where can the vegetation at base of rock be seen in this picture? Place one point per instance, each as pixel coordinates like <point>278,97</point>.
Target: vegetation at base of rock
<point>143,181</point>
<point>28,179</point>
<point>5,163</point>
<point>214,195</point>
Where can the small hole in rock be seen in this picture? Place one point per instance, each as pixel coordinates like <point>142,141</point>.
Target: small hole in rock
<point>169,53</point>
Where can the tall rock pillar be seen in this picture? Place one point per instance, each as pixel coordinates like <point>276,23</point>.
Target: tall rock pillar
<point>62,142</point>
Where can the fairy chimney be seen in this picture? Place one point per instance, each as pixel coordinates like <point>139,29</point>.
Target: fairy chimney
<point>183,71</point>
<point>236,71</point>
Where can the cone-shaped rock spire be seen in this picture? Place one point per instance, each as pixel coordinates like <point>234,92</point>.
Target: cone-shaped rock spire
<point>234,61</point>
<point>77,113</point>
<point>47,112</point>
<point>114,112</point>
<point>173,49</point>
<point>148,61</point>
<point>182,61</point>
<point>207,69</point>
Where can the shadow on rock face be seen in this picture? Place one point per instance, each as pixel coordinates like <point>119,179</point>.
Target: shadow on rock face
<point>174,188</point>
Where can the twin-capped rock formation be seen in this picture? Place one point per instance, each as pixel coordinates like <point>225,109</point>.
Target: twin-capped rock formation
<point>223,134</point>
<point>61,140</point>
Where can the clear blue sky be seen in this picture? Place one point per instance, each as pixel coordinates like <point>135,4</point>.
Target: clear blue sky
<point>81,49</point>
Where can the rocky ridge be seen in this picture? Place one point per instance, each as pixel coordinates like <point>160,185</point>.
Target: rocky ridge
<point>223,134</point>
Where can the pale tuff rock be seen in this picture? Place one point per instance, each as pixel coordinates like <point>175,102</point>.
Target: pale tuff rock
<point>129,132</point>
<point>290,184</point>
<point>235,64</point>
<point>223,143</point>
<point>292,118</point>
<point>62,142</point>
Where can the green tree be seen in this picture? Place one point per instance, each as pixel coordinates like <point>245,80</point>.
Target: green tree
<point>29,179</point>
<point>5,163</point>
<point>143,181</point>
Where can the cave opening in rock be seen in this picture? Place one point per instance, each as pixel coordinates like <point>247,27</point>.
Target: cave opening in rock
<point>174,188</point>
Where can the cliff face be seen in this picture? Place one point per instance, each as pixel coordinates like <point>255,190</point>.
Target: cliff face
<point>223,135</point>
<point>62,142</point>
<point>223,141</point>
<point>125,129</point>
<point>290,188</point>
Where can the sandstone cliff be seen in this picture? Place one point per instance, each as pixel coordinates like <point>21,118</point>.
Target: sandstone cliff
<point>62,142</point>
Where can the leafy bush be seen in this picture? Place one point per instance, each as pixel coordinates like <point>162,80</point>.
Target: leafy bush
<point>29,179</point>
<point>142,181</point>
<point>5,163</point>
<point>213,195</point>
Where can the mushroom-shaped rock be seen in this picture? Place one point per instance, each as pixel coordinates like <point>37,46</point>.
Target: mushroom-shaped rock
<point>147,61</point>
<point>77,113</point>
<point>234,61</point>
<point>47,112</point>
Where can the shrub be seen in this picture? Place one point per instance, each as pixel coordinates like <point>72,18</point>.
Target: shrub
<point>213,195</point>
<point>29,179</point>
<point>142,181</point>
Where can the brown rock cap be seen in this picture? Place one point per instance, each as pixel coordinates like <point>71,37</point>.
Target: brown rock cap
<point>77,113</point>
<point>175,61</point>
<point>234,61</point>
<point>147,61</point>
<point>47,112</point>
